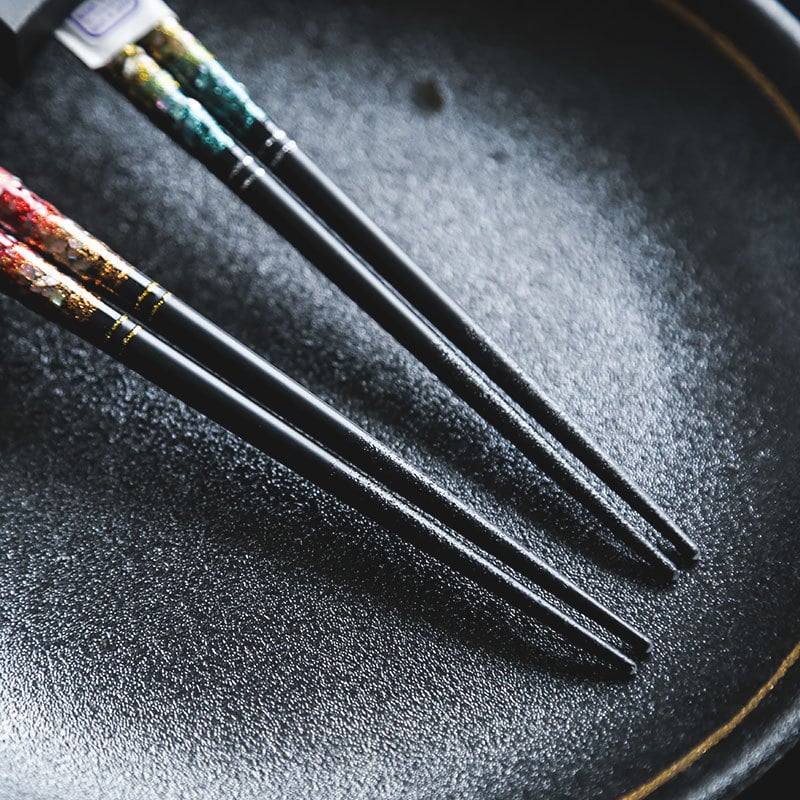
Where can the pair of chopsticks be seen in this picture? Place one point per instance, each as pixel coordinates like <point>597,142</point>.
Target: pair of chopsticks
<point>171,77</point>
<point>55,267</point>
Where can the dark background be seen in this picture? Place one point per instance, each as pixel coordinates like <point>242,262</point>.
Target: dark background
<point>780,781</point>
<point>618,205</point>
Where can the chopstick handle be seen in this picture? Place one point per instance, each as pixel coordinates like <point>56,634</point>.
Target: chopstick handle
<point>203,77</point>
<point>82,256</point>
<point>303,177</point>
<point>38,284</point>
<point>155,92</point>
<point>189,382</point>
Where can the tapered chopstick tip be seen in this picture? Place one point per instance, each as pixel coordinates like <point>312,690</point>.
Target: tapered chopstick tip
<point>690,553</point>
<point>645,649</point>
<point>625,666</point>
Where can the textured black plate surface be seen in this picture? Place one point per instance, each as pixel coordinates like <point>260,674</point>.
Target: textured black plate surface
<point>618,204</point>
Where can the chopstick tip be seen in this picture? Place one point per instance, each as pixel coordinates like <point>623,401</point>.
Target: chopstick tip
<point>665,565</point>
<point>627,667</point>
<point>691,554</point>
<point>617,660</point>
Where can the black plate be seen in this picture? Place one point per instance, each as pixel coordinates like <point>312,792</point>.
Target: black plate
<point>618,204</point>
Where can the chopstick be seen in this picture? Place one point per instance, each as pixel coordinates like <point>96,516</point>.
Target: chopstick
<point>203,77</point>
<point>40,285</point>
<point>154,91</point>
<point>40,225</point>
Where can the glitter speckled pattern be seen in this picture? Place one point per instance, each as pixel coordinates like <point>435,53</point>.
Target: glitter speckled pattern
<point>44,228</point>
<point>153,89</point>
<point>194,66</point>
<point>27,276</point>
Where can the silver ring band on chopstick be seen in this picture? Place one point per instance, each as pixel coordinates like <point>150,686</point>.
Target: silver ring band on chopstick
<point>245,172</point>
<point>277,137</point>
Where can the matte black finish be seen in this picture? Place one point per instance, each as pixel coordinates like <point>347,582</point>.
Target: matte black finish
<point>324,198</point>
<point>195,335</point>
<point>297,225</point>
<point>205,624</point>
<point>125,339</point>
<point>163,365</point>
<point>264,194</point>
<point>25,27</point>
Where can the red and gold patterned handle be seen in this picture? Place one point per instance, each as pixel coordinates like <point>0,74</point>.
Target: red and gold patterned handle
<point>43,287</point>
<point>43,227</point>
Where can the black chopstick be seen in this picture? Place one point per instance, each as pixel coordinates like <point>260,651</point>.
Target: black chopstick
<point>40,285</point>
<point>202,76</point>
<point>155,92</point>
<point>40,225</point>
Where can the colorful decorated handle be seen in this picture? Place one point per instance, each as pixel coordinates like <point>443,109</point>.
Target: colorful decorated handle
<point>158,94</point>
<point>43,227</point>
<point>26,276</point>
<point>40,285</point>
<point>204,78</point>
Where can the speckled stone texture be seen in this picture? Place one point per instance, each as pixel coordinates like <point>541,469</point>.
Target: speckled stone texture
<point>182,618</point>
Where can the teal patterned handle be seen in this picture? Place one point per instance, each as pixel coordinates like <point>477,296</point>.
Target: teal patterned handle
<point>202,75</point>
<point>157,93</point>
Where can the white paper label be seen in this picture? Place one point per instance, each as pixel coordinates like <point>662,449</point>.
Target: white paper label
<point>99,29</point>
